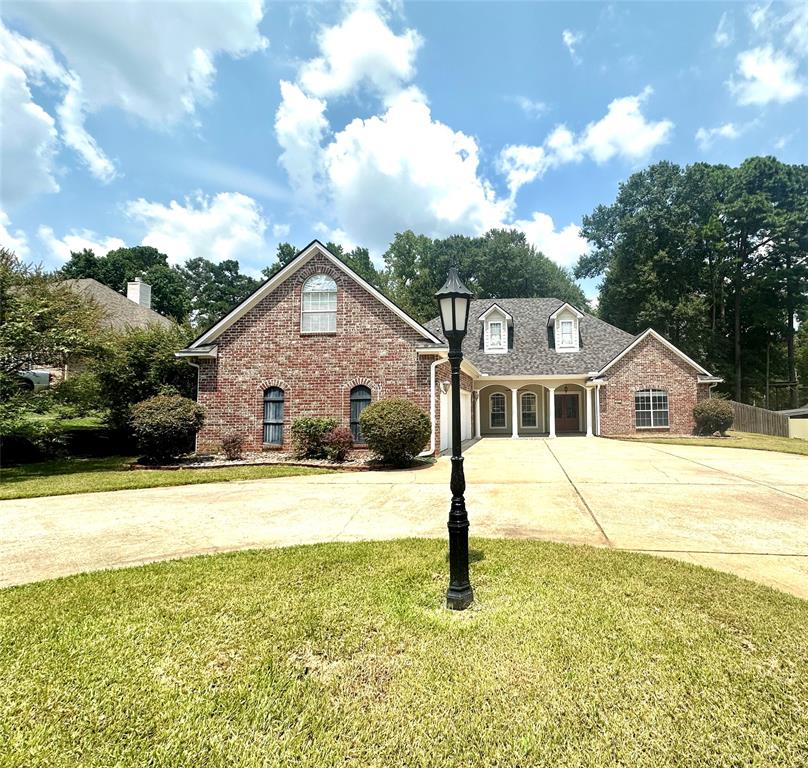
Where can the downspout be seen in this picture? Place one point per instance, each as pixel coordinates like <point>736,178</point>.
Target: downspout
<point>431,450</point>
<point>198,372</point>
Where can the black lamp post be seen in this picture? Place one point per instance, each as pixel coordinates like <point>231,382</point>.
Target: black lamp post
<point>454,300</point>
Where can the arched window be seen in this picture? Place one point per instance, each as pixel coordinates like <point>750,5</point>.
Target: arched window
<point>273,416</point>
<point>319,311</point>
<point>530,414</point>
<point>651,408</point>
<point>360,399</point>
<point>496,411</point>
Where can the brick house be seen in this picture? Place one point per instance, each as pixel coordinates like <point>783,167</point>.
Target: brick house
<point>317,339</point>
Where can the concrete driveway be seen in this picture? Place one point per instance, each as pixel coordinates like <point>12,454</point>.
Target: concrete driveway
<point>735,510</point>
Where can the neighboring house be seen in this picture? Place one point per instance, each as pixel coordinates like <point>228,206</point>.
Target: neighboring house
<point>318,339</point>
<point>120,312</point>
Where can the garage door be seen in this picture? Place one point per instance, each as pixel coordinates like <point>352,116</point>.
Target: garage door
<point>466,431</point>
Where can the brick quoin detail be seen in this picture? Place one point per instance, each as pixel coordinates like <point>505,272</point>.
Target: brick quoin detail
<point>265,346</point>
<point>650,365</point>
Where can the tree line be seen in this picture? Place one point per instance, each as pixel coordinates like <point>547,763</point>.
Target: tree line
<point>716,259</point>
<point>499,263</point>
<point>713,257</point>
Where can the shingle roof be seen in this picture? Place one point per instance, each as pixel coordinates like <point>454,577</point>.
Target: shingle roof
<point>119,312</point>
<point>530,342</point>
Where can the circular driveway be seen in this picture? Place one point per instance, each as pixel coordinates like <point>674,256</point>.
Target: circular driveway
<point>736,510</point>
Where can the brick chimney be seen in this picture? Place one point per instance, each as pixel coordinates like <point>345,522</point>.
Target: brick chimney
<point>139,292</point>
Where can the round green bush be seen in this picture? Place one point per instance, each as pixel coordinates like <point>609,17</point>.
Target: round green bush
<point>308,436</point>
<point>713,415</point>
<point>395,430</point>
<point>165,426</point>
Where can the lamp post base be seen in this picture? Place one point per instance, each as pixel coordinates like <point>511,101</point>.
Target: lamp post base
<point>459,599</point>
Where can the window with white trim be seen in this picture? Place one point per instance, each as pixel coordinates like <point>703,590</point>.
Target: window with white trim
<point>495,334</point>
<point>651,408</point>
<point>496,410</point>
<point>319,310</point>
<point>530,414</point>
<point>567,327</point>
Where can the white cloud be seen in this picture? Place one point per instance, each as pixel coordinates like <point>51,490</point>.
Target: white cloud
<point>149,59</point>
<point>400,168</point>
<point>279,231</point>
<point>234,178</point>
<point>766,76</point>
<point>564,246</point>
<point>706,136</point>
<point>360,49</point>
<point>403,170</point>
<point>28,140</point>
<point>228,225</point>
<point>13,241</point>
<point>622,132</point>
<point>77,240</point>
<point>74,134</point>
<point>300,126</point>
<point>522,164</point>
<point>571,40</point>
<point>531,107</point>
<point>153,60</point>
<point>724,32</point>
<point>758,15</point>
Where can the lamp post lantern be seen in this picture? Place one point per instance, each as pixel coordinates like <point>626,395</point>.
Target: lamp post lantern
<point>454,300</point>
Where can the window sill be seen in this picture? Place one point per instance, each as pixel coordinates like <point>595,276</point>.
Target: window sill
<point>318,333</point>
<point>271,447</point>
<point>660,428</point>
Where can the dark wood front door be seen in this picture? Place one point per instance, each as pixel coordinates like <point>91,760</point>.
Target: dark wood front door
<point>566,413</point>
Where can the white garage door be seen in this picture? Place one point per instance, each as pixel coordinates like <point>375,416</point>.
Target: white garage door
<point>466,431</point>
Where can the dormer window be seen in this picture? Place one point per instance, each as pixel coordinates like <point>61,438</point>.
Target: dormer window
<point>565,322</point>
<point>495,322</point>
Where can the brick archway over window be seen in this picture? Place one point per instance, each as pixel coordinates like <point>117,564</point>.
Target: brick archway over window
<point>267,383</point>
<point>310,270</point>
<point>375,388</point>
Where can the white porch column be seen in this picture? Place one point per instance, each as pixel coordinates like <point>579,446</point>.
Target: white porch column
<point>589,412</point>
<point>551,390</point>
<point>514,415</point>
<point>477,415</point>
<point>597,410</point>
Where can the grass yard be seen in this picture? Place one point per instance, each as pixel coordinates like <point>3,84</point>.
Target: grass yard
<point>64,476</point>
<point>735,440</point>
<point>340,655</point>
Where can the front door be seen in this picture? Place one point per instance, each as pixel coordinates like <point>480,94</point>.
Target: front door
<point>566,413</point>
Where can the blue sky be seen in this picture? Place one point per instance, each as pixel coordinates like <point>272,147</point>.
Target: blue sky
<point>218,129</point>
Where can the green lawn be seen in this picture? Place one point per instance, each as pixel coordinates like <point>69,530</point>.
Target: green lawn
<point>64,424</point>
<point>735,440</point>
<point>57,478</point>
<point>341,655</point>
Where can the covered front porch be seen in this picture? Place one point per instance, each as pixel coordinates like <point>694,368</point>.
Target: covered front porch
<point>536,407</point>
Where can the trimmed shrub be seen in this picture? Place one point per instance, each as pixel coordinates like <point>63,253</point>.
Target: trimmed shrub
<point>713,415</point>
<point>233,446</point>
<point>338,443</point>
<point>395,430</point>
<point>165,426</point>
<point>308,434</point>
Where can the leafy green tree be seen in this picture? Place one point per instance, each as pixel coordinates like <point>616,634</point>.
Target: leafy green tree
<point>286,252</point>
<point>500,264</point>
<point>139,364</point>
<point>42,322</point>
<point>119,266</point>
<point>214,289</point>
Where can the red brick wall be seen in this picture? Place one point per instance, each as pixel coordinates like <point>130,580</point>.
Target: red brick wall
<point>371,346</point>
<point>650,365</point>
